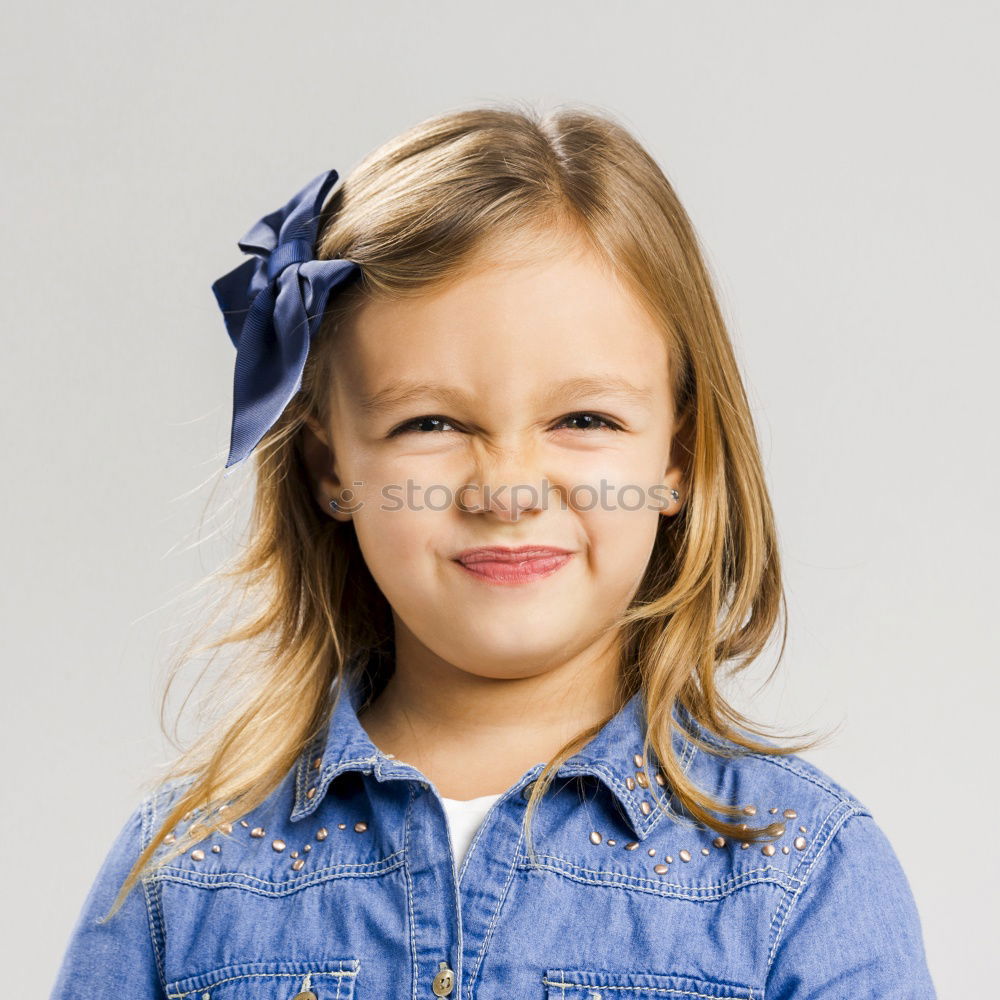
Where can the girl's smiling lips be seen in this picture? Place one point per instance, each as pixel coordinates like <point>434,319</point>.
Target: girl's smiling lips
<point>500,564</point>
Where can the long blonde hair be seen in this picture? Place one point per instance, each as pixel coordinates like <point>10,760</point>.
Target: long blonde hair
<point>413,214</point>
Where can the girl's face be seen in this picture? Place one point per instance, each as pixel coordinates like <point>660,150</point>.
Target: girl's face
<point>543,389</point>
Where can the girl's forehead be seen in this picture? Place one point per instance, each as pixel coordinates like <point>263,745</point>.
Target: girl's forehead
<point>517,319</point>
<point>572,300</point>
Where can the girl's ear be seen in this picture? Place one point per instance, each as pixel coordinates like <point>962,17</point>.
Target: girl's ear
<point>320,463</point>
<point>675,474</point>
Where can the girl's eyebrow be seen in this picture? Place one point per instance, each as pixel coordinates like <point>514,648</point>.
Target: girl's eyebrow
<point>401,391</point>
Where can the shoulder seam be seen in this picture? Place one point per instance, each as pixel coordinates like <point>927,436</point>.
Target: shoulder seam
<point>835,820</point>
<point>786,764</point>
<point>844,798</point>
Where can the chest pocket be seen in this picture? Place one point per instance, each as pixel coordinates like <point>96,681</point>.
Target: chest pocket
<point>581,984</point>
<point>330,980</point>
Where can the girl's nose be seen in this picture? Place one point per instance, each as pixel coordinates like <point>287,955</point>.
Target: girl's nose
<point>506,483</point>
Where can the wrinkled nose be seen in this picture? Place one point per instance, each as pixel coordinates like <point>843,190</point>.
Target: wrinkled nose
<point>506,483</point>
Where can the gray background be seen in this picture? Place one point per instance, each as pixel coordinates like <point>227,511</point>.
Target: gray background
<point>839,162</point>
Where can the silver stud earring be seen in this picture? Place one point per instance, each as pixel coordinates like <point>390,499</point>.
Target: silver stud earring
<point>333,504</point>
<point>674,497</point>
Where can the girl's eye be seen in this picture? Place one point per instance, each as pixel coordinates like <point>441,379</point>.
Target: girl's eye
<point>403,428</point>
<point>592,421</point>
<point>610,424</point>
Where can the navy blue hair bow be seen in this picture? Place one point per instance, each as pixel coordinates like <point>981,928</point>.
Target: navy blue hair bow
<point>272,306</point>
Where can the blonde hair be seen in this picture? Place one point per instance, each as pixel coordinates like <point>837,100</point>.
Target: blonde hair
<point>414,213</point>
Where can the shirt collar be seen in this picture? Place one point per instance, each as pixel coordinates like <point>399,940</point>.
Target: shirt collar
<point>613,756</point>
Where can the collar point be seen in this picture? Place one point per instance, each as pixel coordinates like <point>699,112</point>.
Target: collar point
<point>302,809</point>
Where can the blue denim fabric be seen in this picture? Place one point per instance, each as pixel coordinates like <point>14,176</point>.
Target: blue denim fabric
<point>371,906</point>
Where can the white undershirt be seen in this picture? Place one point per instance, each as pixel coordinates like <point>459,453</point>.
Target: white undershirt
<point>465,816</point>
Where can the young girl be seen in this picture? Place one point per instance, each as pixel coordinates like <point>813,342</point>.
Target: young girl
<point>510,527</point>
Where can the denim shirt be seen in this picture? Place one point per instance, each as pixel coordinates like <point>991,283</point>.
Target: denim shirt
<point>342,886</point>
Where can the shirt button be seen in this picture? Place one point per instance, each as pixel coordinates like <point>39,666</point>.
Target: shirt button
<point>305,995</point>
<point>526,791</point>
<point>444,981</point>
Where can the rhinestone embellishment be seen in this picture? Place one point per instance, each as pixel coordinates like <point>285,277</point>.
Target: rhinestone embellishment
<point>297,857</point>
<point>768,850</point>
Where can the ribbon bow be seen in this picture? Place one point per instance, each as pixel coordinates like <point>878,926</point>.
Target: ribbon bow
<point>272,306</point>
